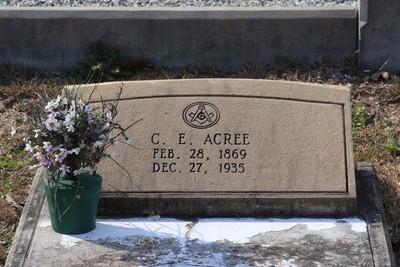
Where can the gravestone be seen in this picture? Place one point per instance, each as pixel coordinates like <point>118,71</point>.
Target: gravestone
<point>217,147</point>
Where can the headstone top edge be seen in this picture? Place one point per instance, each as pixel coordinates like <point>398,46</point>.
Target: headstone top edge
<point>211,87</point>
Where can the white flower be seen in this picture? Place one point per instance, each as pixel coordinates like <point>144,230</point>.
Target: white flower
<point>109,116</point>
<point>105,127</point>
<point>97,66</point>
<point>83,106</point>
<point>64,101</point>
<point>70,118</point>
<point>28,147</point>
<point>53,104</point>
<point>13,131</point>
<point>37,133</point>
<point>93,169</point>
<point>77,172</point>
<point>80,103</point>
<point>52,124</point>
<point>106,137</point>
<point>74,151</point>
<point>72,108</point>
<point>70,128</point>
<point>49,106</point>
<point>111,155</point>
<point>128,141</point>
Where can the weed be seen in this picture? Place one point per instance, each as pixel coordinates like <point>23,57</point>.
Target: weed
<point>360,118</point>
<point>8,184</point>
<point>387,126</point>
<point>102,63</point>
<point>8,238</point>
<point>12,165</point>
<point>8,165</point>
<point>393,146</point>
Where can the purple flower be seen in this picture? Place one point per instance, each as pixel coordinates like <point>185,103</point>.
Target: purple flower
<point>42,159</point>
<point>61,156</point>
<point>95,145</point>
<point>64,169</point>
<point>47,147</point>
<point>39,156</point>
<point>82,143</point>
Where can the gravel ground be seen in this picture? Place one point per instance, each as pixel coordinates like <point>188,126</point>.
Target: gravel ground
<point>176,3</point>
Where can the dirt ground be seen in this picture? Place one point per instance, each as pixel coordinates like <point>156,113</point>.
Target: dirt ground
<point>376,125</point>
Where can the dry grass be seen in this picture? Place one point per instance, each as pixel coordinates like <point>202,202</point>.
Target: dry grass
<point>377,120</point>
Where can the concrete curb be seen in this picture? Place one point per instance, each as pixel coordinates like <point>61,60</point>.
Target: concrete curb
<point>381,247</point>
<point>54,38</point>
<point>227,13</point>
<point>28,222</point>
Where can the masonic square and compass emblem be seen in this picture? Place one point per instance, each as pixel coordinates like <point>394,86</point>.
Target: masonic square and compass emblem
<point>201,115</point>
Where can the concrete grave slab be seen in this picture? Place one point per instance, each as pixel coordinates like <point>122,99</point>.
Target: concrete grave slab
<point>154,241</point>
<point>217,147</point>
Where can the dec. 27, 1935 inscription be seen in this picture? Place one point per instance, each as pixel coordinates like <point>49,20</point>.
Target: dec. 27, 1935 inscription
<point>225,138</point>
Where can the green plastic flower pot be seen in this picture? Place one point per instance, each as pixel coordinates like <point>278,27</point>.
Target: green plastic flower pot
<point>74,209</point>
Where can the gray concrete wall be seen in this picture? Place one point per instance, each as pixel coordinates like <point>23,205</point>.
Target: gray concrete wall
<point>51,38</point>
<point>379,34</point>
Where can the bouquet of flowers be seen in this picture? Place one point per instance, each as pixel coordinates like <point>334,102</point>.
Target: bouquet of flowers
<point>69,137</point>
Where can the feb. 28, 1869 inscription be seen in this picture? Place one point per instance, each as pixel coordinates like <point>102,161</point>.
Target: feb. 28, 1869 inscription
<point>259,143</point>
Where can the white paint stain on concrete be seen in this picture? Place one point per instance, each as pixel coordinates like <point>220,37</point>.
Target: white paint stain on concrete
<point>283,263</point>
<point>204,231</point>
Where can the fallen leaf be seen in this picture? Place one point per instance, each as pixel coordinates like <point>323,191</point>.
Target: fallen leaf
<point>380,75</point>
<point>11,201</point>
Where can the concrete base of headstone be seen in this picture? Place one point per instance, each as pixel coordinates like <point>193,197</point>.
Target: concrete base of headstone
<point>362,241</point>
<point>126,204</point>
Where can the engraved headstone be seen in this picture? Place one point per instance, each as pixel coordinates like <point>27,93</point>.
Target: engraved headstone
<point>218,147</point>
